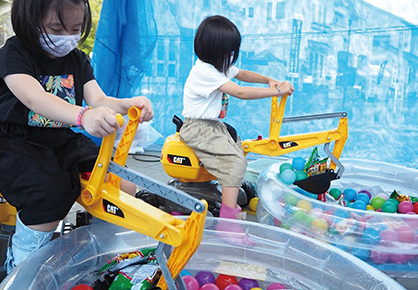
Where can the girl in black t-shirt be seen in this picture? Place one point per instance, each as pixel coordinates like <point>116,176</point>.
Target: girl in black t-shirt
<point>44,80</point>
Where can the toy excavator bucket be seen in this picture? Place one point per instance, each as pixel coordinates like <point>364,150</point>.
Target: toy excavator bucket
<point>104,200</point>
<point>276,145</point>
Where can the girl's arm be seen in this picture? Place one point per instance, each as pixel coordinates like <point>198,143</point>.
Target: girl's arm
<point>249,93</point>
<point>95,97</point>
<point>253,77</point>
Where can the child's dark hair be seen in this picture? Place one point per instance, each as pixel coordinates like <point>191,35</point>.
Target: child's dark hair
<point>216,38</point>
<point>27,20</point>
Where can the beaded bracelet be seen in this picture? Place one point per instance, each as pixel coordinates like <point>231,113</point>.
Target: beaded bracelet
<point>280,93</point>
<point>80,115</point>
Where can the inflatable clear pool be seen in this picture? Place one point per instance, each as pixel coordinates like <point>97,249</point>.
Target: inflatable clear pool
<point>275,256</point>
<point>384,239</point>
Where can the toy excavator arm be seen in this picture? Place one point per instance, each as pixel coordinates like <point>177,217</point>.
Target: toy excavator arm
<point>277,145</point>
<point>106,201</point>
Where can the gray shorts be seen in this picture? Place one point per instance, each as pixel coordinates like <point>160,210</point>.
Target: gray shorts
<point>219,153</point>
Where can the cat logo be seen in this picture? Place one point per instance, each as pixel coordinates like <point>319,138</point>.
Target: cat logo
<point>288,144</point>
<point>179,160</point>
<point>112,209</point>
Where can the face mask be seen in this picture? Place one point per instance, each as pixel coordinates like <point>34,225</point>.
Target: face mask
<point>59,45</point>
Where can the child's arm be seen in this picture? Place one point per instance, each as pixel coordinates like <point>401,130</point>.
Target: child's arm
<point>249,93</point>
<point>95,97</point>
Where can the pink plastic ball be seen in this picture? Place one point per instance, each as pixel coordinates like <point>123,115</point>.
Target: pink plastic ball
<point>379,257</point>
<point>276,286</point>
<point>191,283</point>
<point>233,287</point>
<point>406,234</point>
<point>384,195</point>
<point>405,206</point>
<point>399,258</point>
<point>209,286</point>
<point>389,235</point>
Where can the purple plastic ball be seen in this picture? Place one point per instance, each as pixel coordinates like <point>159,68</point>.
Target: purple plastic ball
<point>247,284</point>
<point>366,192</point>
<point>204,277</point>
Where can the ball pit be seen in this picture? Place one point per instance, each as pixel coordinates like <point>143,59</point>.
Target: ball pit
<point>279,259</point>
<point>373,226</point>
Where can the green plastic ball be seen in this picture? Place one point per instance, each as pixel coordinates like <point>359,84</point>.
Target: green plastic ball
<point>300,175</point>
<point>335,192</point>
<point>389,207</point>
<point>291,199</point>
<point>285,166</point>
<point>377,202</point>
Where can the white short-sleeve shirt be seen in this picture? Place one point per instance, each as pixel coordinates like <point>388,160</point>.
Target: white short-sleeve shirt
<point>201,97</point>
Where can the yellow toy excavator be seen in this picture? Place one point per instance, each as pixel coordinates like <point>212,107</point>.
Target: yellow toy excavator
<point>180,162</point>
<point>178,238</point>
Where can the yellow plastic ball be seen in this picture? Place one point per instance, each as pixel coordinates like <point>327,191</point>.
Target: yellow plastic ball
<point>320,223</point>
<point>305,205</point>
<point>253,203</point>
<point>369,207</point>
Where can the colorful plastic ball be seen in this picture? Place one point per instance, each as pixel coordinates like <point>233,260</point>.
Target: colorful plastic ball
<point>416,207</point>
<point>247,284</point>
<point>204,277</point>
<point>304,205</point>
<point>405,206</point>
<point>350,194</point>
<point>389,207</point>
<point>233,287</point>
<point>291,199</point>
<point>342,214</point>
<point>256,288</point>
<point>288,176</point>
<point>82,287</point>
<point>335,192</point>
<point>379,257</point>
<point>377,202</point>
<point>209,286</point>
<point>363,197</point>
<point>224,280</point>
<point>298,163</point>
<point>371,236</point>
<point>360,253</point>
<point>253,203</point>
<point>389,235</point>
<point>359,204</point>
<point>369,207</point>
<point>286,166</point>
<point>406,234</point>
<point>185,273</point>
<point>301,175</point>
<point>276,286</point>
<point>191,283</point>
<point>320,223</point>
<point>383,195</point>
<point>399,258</point>
<point>395,201</point>
<point>365,192</point>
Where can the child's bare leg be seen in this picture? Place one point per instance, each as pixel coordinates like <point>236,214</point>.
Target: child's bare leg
<point>229,207</point>
<point>128,187</point>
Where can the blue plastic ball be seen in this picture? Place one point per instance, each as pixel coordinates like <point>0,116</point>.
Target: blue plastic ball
<point>298,163</point>
<point>350,194</point>
<point>288,176</point>
<point>363,197</point>
<point>359,204</point>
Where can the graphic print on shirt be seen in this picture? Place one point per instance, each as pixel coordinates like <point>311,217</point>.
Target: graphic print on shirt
<point>225,102</point>
<point>60,86</point>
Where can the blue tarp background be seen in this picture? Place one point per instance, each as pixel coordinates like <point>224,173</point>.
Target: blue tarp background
<point>341,55</point>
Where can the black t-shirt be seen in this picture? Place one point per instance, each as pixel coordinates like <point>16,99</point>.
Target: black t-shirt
<point>63,77</point>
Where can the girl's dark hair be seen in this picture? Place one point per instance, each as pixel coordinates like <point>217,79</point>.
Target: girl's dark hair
<point>27,17</point>
<point>215,40</point>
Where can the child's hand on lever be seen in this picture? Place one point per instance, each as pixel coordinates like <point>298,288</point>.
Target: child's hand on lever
<point>285,88</point>
<point>99,122</point>
<point>145,105</point>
